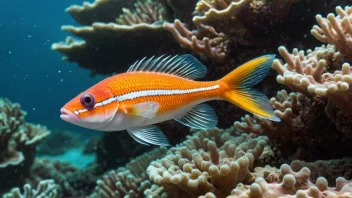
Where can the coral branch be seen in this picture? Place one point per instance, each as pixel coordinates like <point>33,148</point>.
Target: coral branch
<point>214,47</point>
<point>336,30</point>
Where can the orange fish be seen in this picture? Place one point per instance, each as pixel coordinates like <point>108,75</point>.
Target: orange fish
<point>163,88</point>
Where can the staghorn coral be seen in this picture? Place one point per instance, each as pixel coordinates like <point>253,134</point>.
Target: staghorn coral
<point>336,30</point>
<point>17,144</point>
<point>107,48</point>
<point>128,181</point>
<point>45,189</point>
<point>293,184</point>
<point>208,161</point>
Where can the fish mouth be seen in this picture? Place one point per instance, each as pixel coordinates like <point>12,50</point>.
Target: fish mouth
<point>67,115</point>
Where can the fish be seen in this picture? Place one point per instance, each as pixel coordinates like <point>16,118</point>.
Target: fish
<point>158,89</point>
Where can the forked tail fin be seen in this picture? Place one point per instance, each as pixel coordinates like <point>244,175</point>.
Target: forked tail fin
<point>241,81</point>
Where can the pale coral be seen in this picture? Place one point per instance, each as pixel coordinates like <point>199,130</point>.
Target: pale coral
<point>129,181</point>
<point>310,73</point>
<point>45,189</point>
<point>336,30</point>
<point>293,184</point>
<point>209,161</point>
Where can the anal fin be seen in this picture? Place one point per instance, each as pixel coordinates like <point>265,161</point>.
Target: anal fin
<point>148,135</point>
<point>201,116</point>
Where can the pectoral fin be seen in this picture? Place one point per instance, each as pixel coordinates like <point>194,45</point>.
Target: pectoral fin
<point>149,135</point>
<point>201,116</point>
<point>144,109</point>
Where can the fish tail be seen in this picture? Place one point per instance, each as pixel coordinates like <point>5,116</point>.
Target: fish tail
<point>240,82</point>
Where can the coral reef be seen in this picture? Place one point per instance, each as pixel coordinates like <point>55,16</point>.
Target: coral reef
<point>314,135</point>
<point>306,132</point>
<point>208,161</point>
<point>330,169</point>
<point>336,30</point>
<point>46,188</point>
<point>18,141</point>
<point>322,71</point>
<point>128,181</point>
<point>110,46</point>
<point>293,184</point>
<point>222,25</point>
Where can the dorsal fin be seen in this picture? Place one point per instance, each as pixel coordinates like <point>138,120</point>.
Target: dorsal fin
<point>186,66</point>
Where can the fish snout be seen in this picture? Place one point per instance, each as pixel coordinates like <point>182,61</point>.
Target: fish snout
<point>68,116</point>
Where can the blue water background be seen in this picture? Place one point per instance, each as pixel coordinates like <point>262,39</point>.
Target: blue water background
<point>31,73</point>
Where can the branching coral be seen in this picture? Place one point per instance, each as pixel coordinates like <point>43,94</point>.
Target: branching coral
<point>322,71</point>
<point>227,24</point>
<point>208,161</point>
<point>147,11</point>
<point>128,181</point>
<point>45,189</point>
<point>311,72</point>
<point>18,141</point>
<point>336,30</point>
<point>111,47</point>
<point>214,46</point>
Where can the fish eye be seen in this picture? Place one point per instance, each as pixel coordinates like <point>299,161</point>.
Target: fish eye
<point>88,100</point>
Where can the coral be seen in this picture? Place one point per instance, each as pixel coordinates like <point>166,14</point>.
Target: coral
<point>18,141</point>
<point>330,169</point>
<point>336,30</point>
<point>306,132</point>
<point>293,184</point>
<point>46,188</point>
<point>11,118</point>
<point>100,11</point>
<point>128,181</point>
<point>222,16</point>
<point>214,46</point>
<point>284,105</point>
<point>147,11</point>
<point>182,9</point>
<point>310,72</point>
<point>322,71</point>
<point>208,161</point>
<point>58,171</point>
<point>224,24</point>
<point>111,47</point>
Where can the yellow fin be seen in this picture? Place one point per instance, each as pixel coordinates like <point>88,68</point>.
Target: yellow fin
<point>241,80</point>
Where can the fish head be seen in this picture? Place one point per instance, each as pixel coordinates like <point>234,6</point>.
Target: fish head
<point>93,108</point>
